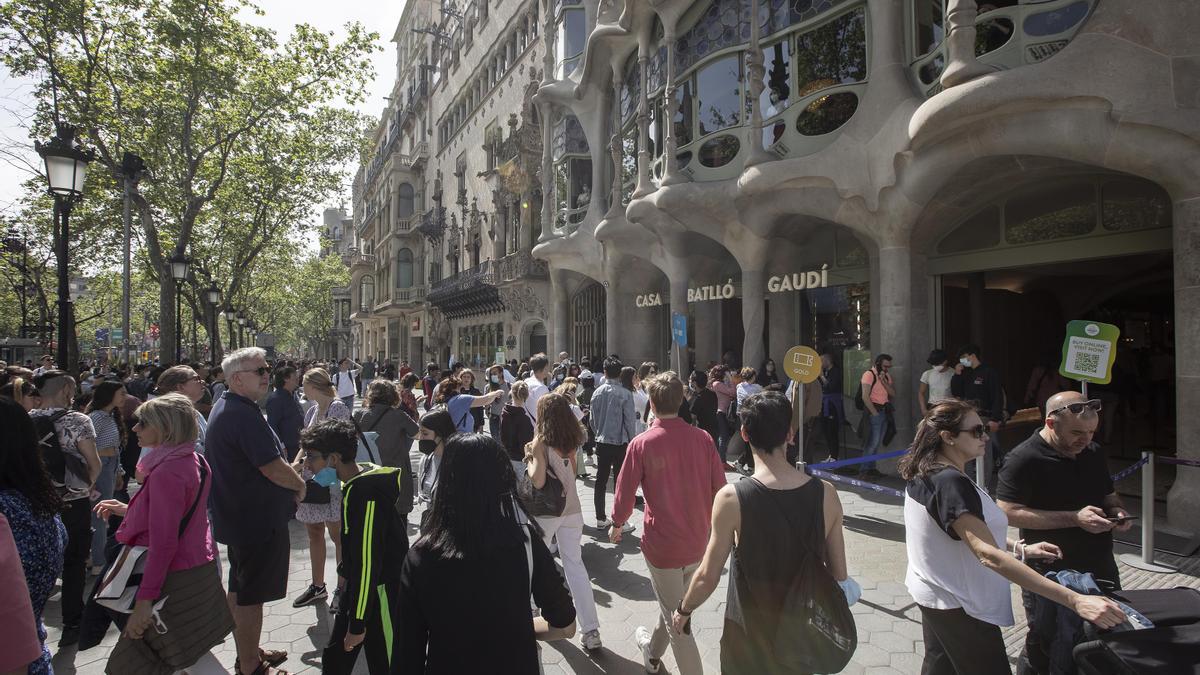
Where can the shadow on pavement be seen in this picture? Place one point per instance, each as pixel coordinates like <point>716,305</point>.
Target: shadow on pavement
<point>577,661</point>
<point>874,527</point>
<point>604,568</point>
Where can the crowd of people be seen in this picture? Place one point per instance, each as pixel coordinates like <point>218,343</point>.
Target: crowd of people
<point>157,466</point>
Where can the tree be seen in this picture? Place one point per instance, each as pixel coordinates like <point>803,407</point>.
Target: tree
<point>203,97</point>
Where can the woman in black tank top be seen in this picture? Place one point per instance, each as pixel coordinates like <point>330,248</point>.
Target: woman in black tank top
<point>770,522</point>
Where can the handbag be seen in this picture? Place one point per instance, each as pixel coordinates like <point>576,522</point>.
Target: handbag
<point>815,632</point>
<point>315,493</point>
<point>118,587</point>
<point>548,501</point>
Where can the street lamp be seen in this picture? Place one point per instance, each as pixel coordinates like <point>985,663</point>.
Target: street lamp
<point>66,167</point>
<point>178,264</point>
<point>213,295</point>
<point>241,319</point>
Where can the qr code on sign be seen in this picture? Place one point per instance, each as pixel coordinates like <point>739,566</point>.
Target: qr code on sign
<point>1085,362</point>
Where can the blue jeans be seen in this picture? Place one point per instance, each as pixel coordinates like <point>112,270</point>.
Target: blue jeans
<point>874,439</point>
<point>349,401</point>
<point>105,483</point>
<point>723,433</point>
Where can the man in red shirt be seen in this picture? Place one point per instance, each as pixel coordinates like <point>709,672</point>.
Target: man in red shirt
<point>679,471</point>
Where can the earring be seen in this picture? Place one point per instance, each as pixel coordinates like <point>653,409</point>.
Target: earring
<point>951,442</point>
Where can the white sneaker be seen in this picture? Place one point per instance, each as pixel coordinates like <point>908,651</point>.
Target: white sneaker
<point>642,637</point>
<point>627,528</point>
<point>604,524</point>
<point>591,640</point>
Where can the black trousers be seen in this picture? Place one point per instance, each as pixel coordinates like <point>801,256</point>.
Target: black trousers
<point>381,642</point>
<point>77,518</point>
<point>957,643</point>
<point>609,458</point>
<point>832,427</point>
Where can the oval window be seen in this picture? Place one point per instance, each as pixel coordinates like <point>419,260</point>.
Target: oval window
<point>827,113</point>
<point>1055,21</point>
<point>992,34</point>
<point>719,151</point>
<point>684,158</point>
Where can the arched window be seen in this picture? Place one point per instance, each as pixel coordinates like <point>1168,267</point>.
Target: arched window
<point>366,293</point>
<point>406,201</point>
<point>404,268</point>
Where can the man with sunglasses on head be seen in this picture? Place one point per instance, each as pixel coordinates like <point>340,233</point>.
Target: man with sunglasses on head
<point>1057,488</point>
<point>253,496</point>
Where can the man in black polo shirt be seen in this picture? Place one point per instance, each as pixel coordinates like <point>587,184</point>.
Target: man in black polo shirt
<point>254,493</point>
<point>1056,487</point>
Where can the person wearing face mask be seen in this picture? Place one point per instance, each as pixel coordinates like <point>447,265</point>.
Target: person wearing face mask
<point>935,382</point>
<point>979,383</point>
<point>496,382</point>
<point>435,429</point>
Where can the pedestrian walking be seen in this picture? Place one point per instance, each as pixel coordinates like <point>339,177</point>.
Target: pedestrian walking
<point>180,584</point>
<point>345,381</point>
<point>376,538</point>
<point>979,383</point>
<point>702,404</point>
<point>876,394</point>
<point>786,528</point>
<point>720,381</point>
<point>408,401</point>
<point>429,384</point>
<point>516,425</point>
<point>960,561</point>
<point>833,405</point>
<point>382,413</point>
<point>935,381</point>
<point>436,428</point>
<point>553,450</point>
<point>105,412</point>
<point>284,413</point>
<point>30,503</point>
<point>321,509</point>
<point>466,379</point>
<point>474,570</point>
<point>677,468</point>
<point>68,439</point>
<point>250,475</point>
<point>614,422</point>
<point>739,450</point>
<point>366,375</point>
<point>496,382</point>
<point>539,372</point>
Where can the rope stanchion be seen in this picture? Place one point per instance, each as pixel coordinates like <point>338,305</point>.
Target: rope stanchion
<point>1146,560</point>
<point>1129,471</point>
<point>857,460</point>
<point>854,482</point>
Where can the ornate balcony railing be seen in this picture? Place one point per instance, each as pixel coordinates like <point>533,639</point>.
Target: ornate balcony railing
<point>519,265</point>
<point>355,258</point>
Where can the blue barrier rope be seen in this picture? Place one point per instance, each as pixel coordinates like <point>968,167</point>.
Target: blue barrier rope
<point>855,482</point>
<point>1178,460</point>
<point>857,460</point>
<point>1126,473</point>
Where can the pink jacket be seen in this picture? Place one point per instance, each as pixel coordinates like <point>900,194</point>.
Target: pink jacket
<point>677,466</point>
<point>157,510</point>
<point>725,393</point>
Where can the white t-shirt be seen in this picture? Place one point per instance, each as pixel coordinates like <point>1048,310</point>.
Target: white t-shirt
<point>942,571</point>
<point>536,390</point>
<point>640,402</point>
<point>344,381</point>
<point>938,383</point>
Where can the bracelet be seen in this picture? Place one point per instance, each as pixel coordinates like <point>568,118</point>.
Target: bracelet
<point>1019,550</point>
<point>680,611</point>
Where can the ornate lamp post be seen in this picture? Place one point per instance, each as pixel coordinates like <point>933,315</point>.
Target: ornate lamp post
<point>213,294</point>
<point>178,265</point>
<point>66,167</point>
<point>241,319</point>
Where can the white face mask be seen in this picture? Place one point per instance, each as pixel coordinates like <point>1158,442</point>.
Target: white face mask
<point>965,361</point>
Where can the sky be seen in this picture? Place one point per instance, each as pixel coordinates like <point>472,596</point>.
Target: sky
<point>18,160</point>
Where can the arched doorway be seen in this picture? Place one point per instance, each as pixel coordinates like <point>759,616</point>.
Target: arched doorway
<point>533,339</point>
<point>588,323</point>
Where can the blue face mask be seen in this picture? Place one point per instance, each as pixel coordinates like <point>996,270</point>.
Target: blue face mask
<point>325,477</point>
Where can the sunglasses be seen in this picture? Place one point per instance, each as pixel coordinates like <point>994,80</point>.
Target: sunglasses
<point>259,371</point>
<point>978,431</point>
<point>1078,407</point>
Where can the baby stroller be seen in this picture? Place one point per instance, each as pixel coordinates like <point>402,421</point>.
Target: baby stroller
<point>1170,647</point>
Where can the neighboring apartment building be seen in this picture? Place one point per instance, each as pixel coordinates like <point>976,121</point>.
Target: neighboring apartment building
<point>448,207</point>
<point>337,232</point>
<point>871,177</point>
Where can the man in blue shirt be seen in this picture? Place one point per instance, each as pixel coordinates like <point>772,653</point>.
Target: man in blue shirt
<point>613,420</point>
<point>254,493</point>
<point>284,413</point>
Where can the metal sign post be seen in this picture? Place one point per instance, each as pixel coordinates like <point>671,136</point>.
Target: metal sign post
<point>803,365</point>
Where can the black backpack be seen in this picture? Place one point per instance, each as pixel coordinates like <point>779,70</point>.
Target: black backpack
<point>858,394</point>
<point>59,464</point>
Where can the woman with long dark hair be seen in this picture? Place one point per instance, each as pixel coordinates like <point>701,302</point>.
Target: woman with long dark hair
<point>474,569</point>
<point>31,504</point>
<point>958,574</point>
<point>108,397</point>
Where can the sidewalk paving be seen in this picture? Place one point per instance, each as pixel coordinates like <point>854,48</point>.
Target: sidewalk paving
<point>889,625</point>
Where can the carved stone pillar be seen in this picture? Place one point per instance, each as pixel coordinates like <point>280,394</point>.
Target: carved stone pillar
<point>671,173</point>
<point>644,186</point>
<point>755,71</point>
<point>614,199</point>
<point>961,65</point>
<point>545,112</point>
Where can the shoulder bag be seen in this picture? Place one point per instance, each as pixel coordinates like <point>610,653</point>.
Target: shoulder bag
<point>815,632</point>
<point>118,587</point>
<point>548,501</point>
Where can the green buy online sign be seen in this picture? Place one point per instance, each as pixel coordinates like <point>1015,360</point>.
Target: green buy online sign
<point>1089,351</point>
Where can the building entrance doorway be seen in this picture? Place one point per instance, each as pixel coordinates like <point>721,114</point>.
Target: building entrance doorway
<point>535,339</point>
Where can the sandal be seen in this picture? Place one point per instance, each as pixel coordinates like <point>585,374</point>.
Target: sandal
<point>262,669</point>
<point>266,657</point>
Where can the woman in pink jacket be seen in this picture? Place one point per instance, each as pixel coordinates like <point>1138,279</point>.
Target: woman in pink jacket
<point>180,612</point>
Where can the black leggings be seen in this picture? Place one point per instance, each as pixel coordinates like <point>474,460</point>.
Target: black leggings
<point>381,641</point>
<point>77,518</point>
<point>957,643</point>
<point>608,460</point>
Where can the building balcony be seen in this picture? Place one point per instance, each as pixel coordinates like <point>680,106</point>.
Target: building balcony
<point>405,226</point>
<point>396,300</point>
<point>468,293</point>
<point>356,259</point>
<point>361,313</point>
<point>519,266</point>
<point>415,160</point>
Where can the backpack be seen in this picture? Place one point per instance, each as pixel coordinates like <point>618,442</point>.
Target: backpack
<point>858,394</point>
<point>67,470</point>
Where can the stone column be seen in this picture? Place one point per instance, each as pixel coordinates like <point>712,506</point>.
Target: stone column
<point>671,174</point>
<point>755,71</point>
<point>754,317</point>
<point>679,286</point>
<point>644,185</point>
<point>559,338</point>
<point>1183,501</point>
<point>614,198</point>
<point>961,65</point>
<point>545,113</point>
<point>893,296</point>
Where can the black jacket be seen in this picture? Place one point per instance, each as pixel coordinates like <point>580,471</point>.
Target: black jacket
<point>375,533</point>
<point>981,386</point>
<point>516,429</point>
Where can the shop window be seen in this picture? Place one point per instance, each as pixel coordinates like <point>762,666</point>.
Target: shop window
<point>777,88</point>
<point>832,54</point>
<point>719,151</point>
<point>1134,205</point>
<point>572,35</point>
<point>406,201</point>
<point>929,22</point>
<point>719,94</point>
<point>404,268</point>
<point>992,34</point>
<point>827,114</point>
<point>1055,21</point>
<point>1046,215</point>
<point>980,231</point>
